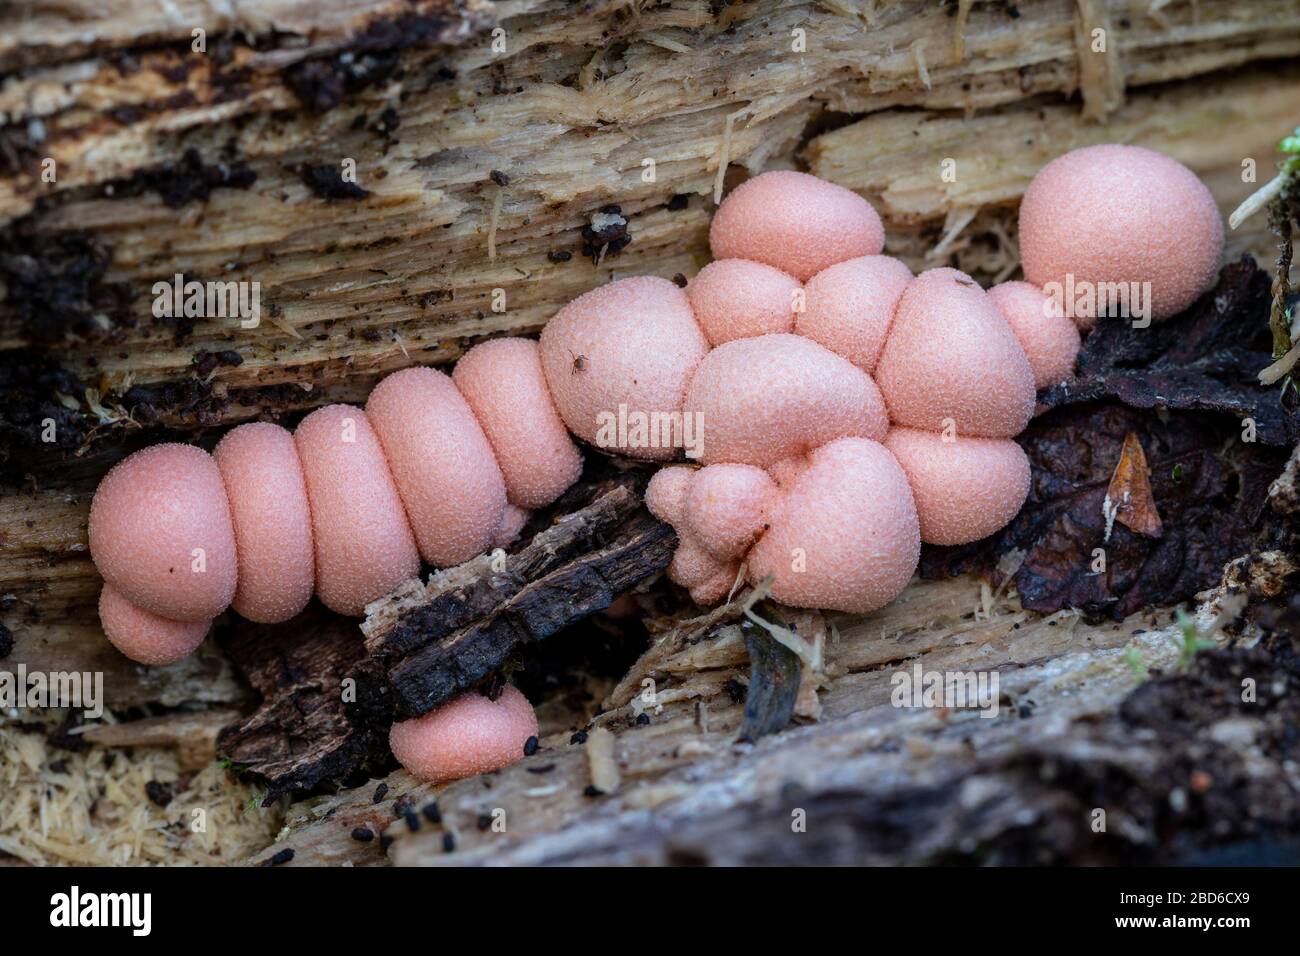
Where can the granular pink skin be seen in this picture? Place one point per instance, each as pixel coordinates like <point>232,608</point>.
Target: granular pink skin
<point>739,299</point>
<point>272,520</point>
<point>1049,339</point>
<point>849,307</point>
<point>503,383</point>
<point>849,521</point>
<point>776,396</point>
<point>469,735</point>
<point>796,223</point>
<point>693,564</point>
<point>717,587</point>
<point>364,546</point>
<point>633,342</point>
<point>952,357</point>
<point>665,496</point>
<point>150,514</point>
<point>726,507</point>
<point>143,636</point>
<point>512,523</point>
<point>964,490</point>
<point>1114,213</point>
<point>441,462</point>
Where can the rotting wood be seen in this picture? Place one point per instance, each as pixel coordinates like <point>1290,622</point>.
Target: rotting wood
<point>192,735</point>
<point>426,643</point>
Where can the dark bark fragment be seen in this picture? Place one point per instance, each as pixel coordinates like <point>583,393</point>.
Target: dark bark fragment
<point>774,672</point>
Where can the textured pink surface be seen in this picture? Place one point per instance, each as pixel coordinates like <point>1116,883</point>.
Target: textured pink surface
<point>466,736</point>
<point>964,490</point>
<point>775,396</point>
<point>512,522</point>
<point>795,222</point>
<point>1049,339</point>
<point>850,520</point>
<point>503,383</point>
<point>692,563</point>
<point>143,636</point>
<point>717,587</point>
<point>633,342</point>
<point>364,547</point>
<point>151,512</point>
<point>951,355</point>
<point>726,507</point>
<point>739,299</point>
<point>849,307</point>
<point>1122,214</point>
<point>665,496</point>
<point>442,463</point>
<point>268,505</point>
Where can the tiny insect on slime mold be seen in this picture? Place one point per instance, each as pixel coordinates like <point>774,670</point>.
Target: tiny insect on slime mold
<point>851,412</point>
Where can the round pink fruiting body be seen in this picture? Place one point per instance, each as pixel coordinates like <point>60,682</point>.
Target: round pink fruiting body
<point>726,507</point>
<point>144,636</point>
<point>363,543</point>
<point>470,734</point>
<point>665,496</point>
<point>796,223</point>
<point>503,383</point>
<point>1120,214</point>
<point>442,463</point>
<point>844,535</point>
<point>1050,340</point>
<point>952,361</point>
<point>739,299</point>
<point>764,399</point>
<point>849,307</point>
<point>272,520</point>
<point>161,534</point>
<point>965,489</point>
<point>632,343</point>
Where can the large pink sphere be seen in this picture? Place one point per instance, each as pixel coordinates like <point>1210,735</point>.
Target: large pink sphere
<point>161,533</point>
<point>1121,214</point>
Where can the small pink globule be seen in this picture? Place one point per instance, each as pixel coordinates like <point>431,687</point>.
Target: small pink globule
<point>849,307</point>
<point>469,735</point>
<point>144,636</point>
<point>1049,339</point>
<point>739,299</point>
<point>796,223</point>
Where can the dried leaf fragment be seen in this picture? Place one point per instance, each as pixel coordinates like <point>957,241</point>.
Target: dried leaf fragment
<point>1128,497</point>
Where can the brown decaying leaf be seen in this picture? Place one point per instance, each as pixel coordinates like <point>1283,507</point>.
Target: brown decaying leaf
<point>1128,497</point>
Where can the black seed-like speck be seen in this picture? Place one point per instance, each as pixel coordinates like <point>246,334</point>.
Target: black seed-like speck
<point>530,746</point>
<point>363,834</point>
<point>381,791</point>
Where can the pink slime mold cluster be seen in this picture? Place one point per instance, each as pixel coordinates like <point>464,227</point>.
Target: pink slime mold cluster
<point>850,412</point>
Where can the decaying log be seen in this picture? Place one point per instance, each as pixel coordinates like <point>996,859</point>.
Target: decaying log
<point>427,642</point>
<point>302,732</point>
<point>193,735</point>
<point>171,161</point>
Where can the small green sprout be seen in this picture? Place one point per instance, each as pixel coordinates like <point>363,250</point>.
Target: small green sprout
<point>1192,640</point>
